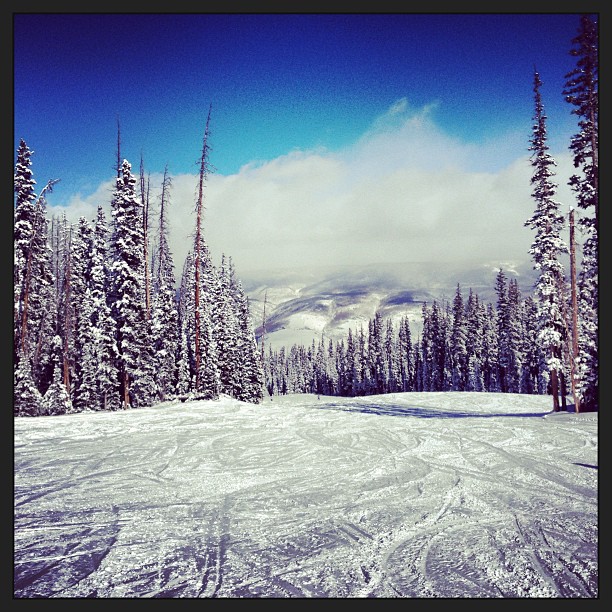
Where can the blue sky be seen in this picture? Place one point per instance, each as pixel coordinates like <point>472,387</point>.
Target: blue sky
<point>287,91</point>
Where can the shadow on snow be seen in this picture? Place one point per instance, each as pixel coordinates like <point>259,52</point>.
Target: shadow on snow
<point>423,413</point>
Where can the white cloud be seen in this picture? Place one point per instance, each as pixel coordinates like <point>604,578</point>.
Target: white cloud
<point>404,192</point>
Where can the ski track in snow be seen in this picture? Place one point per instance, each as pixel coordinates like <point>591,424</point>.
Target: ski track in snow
<point>403,495</point>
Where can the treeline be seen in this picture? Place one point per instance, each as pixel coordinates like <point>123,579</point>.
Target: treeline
<point>98,321</point>
<point>465,345</point>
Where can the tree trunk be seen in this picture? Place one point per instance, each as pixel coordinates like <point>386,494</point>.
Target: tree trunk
<point>563,391</point>
<point>554,385</point>
<point>126,387</point>
<point>574,352</point>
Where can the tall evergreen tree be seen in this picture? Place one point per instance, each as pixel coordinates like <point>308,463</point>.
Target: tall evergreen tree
<point>33,279</point>
<point>164,316</point>
<point>207,378</point>
<point>351,365</point>
<point>127,290</point>
<point>392,363</point>
<point>332,370</point>
<point>458,344</point>
<point>34,313</point>
<point>418,378</point>
<point>248,367</point>
<point>24,228</point>
<point>225,331</point>
<point>42,312</point>
<point>535,372</point>
<point>509,333</point>
<point>65,316</point>
<point>81,357</point>
<point>475,342</point>
<point>104,341</point>
<point>185,350</point>
<point>515,335</point>
<point>340,357</point>
<point>582,91</point>
<point>427,350</point>
<point>548,223</point>
<point>405,355</point>
<point>446,366</point>
<point>490,349</point>
<point>361,383</point>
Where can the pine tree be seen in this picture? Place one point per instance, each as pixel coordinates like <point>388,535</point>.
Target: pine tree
<point>375,356</point>
<point>351,367</point>
<point>362,382</point>
<point>509,333</point>
<point>582,91</point>
<point>82,390</point>
<point>34,283</point>
<point>185,350</point>
<point>206,368</point>
<point>391,355</point>
<point>490,349</point>
<point>27,400</point>
<point>56,399</point>
<point>207,378</point>
<point>183,383</point>
<point>248,368</point>
<point>225,331</point>
<point>474,342</point>
<point>23,235</point>
<point>42,315</point>
<point>446,362</point>
<point>269,379</point>
<point>434,348</point>
<point>320,368</point>
<point>164,316</point>
<point>405,353</point>
<point>426,352</point>
<point>458,344</point>
<point>86,387</point>
<point>535,370</point>
<point>104,342</point>
<point>547,246</point>
<point>340,365</point>
<point>515,335</point>
<point>65,317</point>
<point>417,384</point>
<point>127,291</point>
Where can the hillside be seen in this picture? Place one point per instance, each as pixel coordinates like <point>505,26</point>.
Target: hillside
<point>302,305</point>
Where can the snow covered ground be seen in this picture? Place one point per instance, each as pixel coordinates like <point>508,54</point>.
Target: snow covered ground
<point>405,495</point>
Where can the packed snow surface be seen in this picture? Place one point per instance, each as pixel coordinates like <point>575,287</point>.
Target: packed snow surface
<point>404,495</point>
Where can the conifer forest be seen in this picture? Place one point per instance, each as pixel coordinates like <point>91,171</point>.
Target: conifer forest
<point>106,320</point>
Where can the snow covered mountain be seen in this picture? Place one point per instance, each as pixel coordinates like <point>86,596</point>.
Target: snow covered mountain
<point>302,305</point>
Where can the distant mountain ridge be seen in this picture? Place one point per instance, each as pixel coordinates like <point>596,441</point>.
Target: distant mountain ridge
<point>305,305</point>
